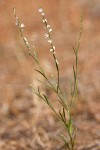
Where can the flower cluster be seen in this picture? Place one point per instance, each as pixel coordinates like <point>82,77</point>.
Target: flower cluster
<point>48,28</point>
<point>21,28</point>
<point>17,23</point>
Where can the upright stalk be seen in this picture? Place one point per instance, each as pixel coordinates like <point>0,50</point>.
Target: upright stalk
<point>69,137</point>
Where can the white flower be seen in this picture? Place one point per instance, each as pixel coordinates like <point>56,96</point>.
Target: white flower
<point>50,41</point>
<point>50,30</point>
<point>51,50</point>
<point>46,35</point>
<point>48,26</point>
<point>42,13</point>
<point>22,25</point>
<point>57,62</point>
<point>54,47</point>
<point>40,10</point>
<point>44,20</point>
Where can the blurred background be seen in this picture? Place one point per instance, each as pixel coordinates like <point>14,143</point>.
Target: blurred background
<point>25,121</point>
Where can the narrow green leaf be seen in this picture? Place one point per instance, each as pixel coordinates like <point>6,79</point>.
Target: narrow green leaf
<point>40,72</point>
